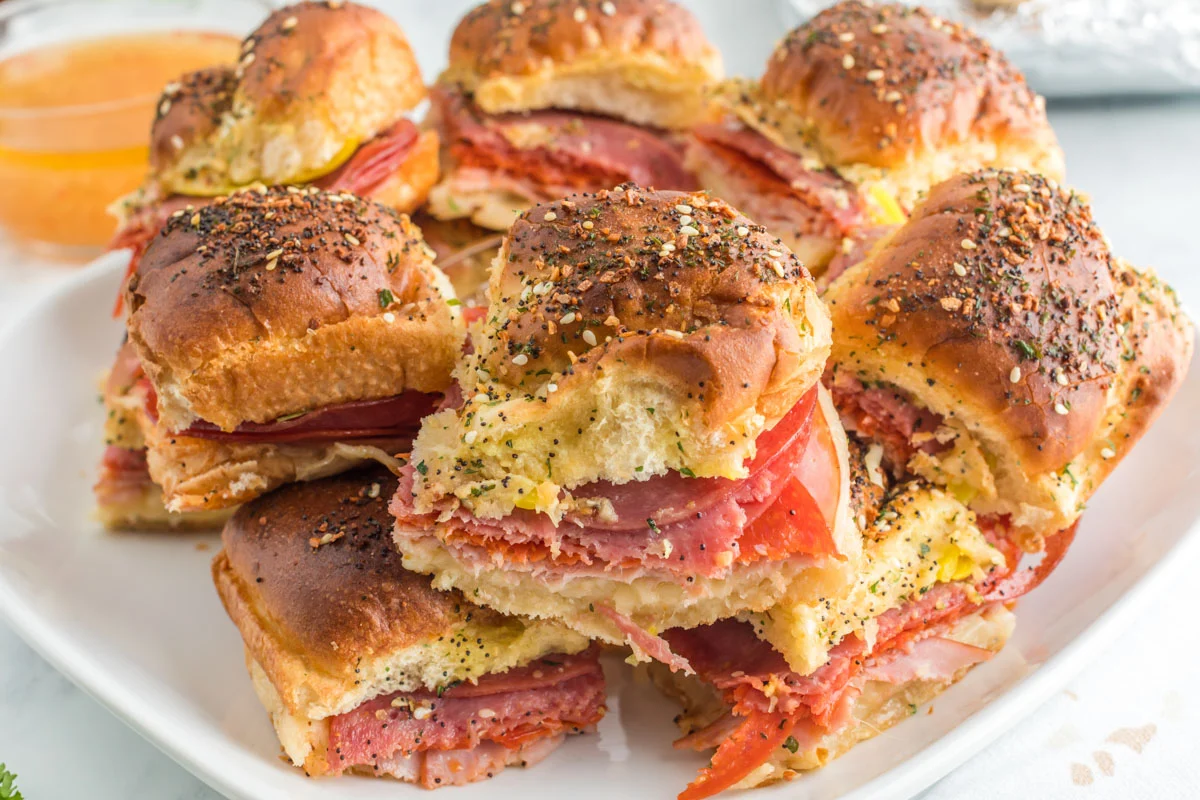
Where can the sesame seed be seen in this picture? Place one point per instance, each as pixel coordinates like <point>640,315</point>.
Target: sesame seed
<point>959,269</point>
<point>774,254</point>
<point>743,230</point>
<point>568,318</point>
<point>1015,375</point>
<point>289,23</point>
<point>590,338</point>
<point>486,713</point>
<point>1108,453</point>
<point>1060,377</point>
<point>518,8</point>
<point>248,59</point>
<point>775,265</point>
<point>520,359</point>
<point>686,220</point>
<point>1059,408</point>
<point>351,239</point>
<point>875,75</point>
<point>846,37</point>
<point>164,107</point>
<point>608,8</point>
<point>848,61</point>
<point>196,220</point>
<point>580,14</point>
<point>551,387</point>
<point>481,398</point>
<point>373,492</point>
<point>689,230</point>
<point>674,334</point>
<point>177,142</point>
<point>879,29</point>
<point>276,253</point>
<point>272,264</point>
<point>1023,188</point>
<point>967,244</point>
<point>683,208</point>
<point>550,216</point>
<point>892,96</point>
<point>470,436</point>
<point>422,712</point>
<point>588,225</point>
<point>389,317</point>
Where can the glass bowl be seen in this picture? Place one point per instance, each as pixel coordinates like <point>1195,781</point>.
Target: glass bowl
<point>68,149</point>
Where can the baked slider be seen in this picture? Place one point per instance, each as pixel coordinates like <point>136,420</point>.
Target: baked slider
<point>995,347</point>
<point>320,96</point>
<point>641,441</point>
<point>366,669</point>
<point>543,98</point>
<point>284,335</point>
<point>859,111</point>
<point>789,689</point>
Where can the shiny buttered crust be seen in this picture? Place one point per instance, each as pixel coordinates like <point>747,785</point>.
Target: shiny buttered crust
<point>629,333</point>
<point>646,61</point>
<point>892,94</point>
<point>999,307</point>
<point>880,705</point>
<point>309,576</point>
<point>275,302</point>
<point>314,81</point>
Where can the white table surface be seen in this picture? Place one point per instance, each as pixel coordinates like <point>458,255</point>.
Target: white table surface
<point>1125,728</point>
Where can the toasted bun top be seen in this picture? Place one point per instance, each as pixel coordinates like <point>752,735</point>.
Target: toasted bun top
<point>996,272</point>
<point>667,301</point>
<point>999,306</point>
<point>884,84</point>
<point>319,561</point>
<point>266,271</point>
<point>315,80</point>
<point>518,55</point>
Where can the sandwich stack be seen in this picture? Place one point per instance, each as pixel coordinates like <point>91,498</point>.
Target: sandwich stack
<point>800,504</point>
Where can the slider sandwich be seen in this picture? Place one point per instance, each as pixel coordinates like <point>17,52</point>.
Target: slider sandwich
<point>366,669</point>
<point>992,363</point>
<point>283,335</point>
<point>543,98</point>
<point>320,96</point>
<point>859,111</point>
<point>641,441</point>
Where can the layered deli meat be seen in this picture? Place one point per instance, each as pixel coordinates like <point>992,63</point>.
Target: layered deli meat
<point>769,706</point>
<point>465,732</point>
<point>777,187</point>
<point>542,155</point>
<point>669,525</point>
<point>367,168</point>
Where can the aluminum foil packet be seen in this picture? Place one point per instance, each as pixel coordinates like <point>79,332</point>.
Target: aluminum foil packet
<point>1080,48</point>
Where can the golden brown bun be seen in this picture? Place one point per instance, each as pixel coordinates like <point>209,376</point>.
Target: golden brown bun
<point>879,706</point>
<point>999,307</point>
<point>274,302</point>
<point>629,333</point>
<point>311,579</point>
<point>315,80</point>
<point>189,112</point>
<point>894,96</point>
<point>646,61</point>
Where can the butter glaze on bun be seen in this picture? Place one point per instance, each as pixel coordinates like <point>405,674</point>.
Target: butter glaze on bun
<point>277,302</point>
<point>892,94</point>
<point>629,333</point>
<point>331,619</point>
<point>314,81</point>
<point>999,307</point>
<point>645,61</point>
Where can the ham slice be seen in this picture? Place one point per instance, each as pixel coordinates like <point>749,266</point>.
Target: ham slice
<point>885,415</point>
<point>124,476</point>
<point>552,153</point>
<point>372,164</point>
<point>457,733</point>
<point>433,769</point>
<point>674,525</point>
<point>651,646</point>
<point>756,683</point>
<point>809,200</point>
<point>934,659</point>
<point>396,418</point>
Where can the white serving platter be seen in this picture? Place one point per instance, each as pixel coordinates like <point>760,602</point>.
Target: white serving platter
<point>134,621</point>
